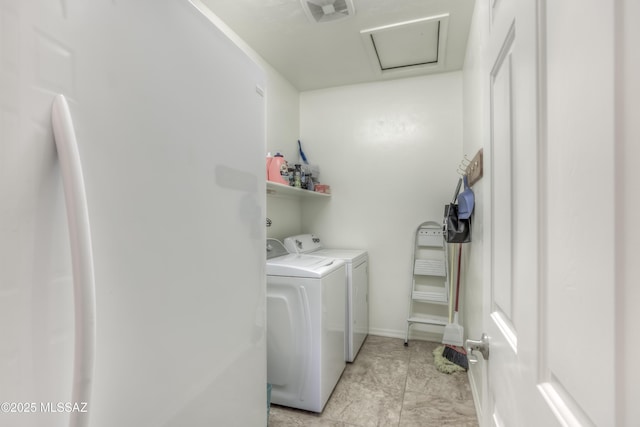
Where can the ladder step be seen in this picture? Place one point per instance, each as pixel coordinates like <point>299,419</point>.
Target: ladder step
<point>429,267</point>
<point>430,237</point>
<point>430,296</point>
<point>431,320</point>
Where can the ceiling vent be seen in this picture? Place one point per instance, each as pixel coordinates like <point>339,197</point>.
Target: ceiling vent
<point>319,11</point>
<point>411,47</point>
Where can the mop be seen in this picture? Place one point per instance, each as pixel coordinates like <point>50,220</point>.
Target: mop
<point>453,336</point>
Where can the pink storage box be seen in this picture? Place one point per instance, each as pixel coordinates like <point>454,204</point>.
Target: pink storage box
<point>322,188</point>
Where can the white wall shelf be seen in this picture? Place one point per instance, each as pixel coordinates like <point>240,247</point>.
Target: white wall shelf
<point>275,189</point>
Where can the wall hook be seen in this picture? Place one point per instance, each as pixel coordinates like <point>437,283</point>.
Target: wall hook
<point>474,168</point>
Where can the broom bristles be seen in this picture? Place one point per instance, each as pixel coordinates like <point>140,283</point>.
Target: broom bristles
<point>457,355</point>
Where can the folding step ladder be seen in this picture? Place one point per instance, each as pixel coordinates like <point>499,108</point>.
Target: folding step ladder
<point>429,277</point>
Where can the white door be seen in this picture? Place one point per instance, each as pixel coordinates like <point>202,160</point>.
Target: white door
<point>548,303</point>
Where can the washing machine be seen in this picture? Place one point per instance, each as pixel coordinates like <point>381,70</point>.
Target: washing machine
<point>357,298</point>
<point>305,327</point>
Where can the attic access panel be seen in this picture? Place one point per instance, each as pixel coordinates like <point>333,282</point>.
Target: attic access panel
<point>412,47</point>
<point>407,46</point>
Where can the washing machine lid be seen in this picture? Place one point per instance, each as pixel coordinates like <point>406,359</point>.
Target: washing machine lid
<point>302,243</point>
<point>311,244</point>
<point>275,248</point>
<point>354,256</point>
<point>281,263</point>
<point>300,265</point>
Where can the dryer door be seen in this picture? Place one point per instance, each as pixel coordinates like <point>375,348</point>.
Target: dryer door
<point>359,315</point>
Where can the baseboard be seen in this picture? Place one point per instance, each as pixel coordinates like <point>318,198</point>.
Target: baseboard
<point>414,334</point>
<point>477,399</point>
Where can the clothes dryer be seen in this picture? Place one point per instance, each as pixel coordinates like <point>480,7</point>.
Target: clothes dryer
<point>357,298</point>
<point>305,327</point>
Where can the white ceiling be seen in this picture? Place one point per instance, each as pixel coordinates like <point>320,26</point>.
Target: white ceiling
<point>313,56</point>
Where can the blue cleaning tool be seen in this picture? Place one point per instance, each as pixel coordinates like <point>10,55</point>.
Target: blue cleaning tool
<point>466,201</point>
<point>302,156</point>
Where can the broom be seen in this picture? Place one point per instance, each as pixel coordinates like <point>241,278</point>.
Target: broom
<point>454,333</point>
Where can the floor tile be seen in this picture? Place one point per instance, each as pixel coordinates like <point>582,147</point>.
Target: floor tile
<point>378,371</point>
<point>422,350</point>
<point>392,348</point>
<point>281,416</point>
<point>366,405</point>
<point>391,385</point>
<point>422,409</point>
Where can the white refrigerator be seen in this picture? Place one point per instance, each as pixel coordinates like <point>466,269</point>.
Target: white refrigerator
<point>169,119</point>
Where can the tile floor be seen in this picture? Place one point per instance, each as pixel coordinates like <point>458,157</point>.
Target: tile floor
<point>390,385</point>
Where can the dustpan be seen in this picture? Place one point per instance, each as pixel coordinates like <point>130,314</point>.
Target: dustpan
<point>453,333</point>
<point>466,201</point>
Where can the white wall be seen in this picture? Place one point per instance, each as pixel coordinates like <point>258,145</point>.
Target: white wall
<point>389,150</point>
<point>283,128</point>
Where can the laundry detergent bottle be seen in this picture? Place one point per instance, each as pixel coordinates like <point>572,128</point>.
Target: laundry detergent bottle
<point>277,165</point>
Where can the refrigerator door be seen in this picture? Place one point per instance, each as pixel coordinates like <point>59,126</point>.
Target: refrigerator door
<point>169,119</point>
